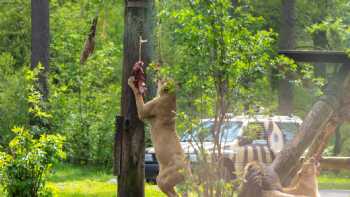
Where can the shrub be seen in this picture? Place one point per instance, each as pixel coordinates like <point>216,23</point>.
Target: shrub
<point>27,162</point>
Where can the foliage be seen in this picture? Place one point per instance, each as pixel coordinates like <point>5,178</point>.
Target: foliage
<point>222,57</point>
<point>85,98</point>
<point>25,166</point>
<point>15,31</point>
<point>13,102</point>
<point>225,54</point>
<point>218,50</point>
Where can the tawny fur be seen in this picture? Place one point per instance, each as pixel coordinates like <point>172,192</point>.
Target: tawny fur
<point>279,194</point>
<point>160,112</point>
<point>261,180</point>
<point>306,182</point>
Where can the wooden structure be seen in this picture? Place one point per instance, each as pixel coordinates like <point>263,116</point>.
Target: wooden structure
<point>335,163</point>
<point>324,116</point>
<point>320,123</point>
<point>316,56</point>
<point>130,143</point>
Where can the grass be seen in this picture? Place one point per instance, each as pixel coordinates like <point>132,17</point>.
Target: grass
<point>340,181</point>
<point>75,181</point>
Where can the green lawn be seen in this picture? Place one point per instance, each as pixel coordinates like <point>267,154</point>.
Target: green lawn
<point>335,181</point>
<point>74,181</point>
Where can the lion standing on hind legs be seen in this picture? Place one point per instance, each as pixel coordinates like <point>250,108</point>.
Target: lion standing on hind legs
<point>160,112</point>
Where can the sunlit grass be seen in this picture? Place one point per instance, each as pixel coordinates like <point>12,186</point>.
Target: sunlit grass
<point>331,181</point>
<point>76,181</point>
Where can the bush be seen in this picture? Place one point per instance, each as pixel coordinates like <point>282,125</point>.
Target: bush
<point>27,162</point>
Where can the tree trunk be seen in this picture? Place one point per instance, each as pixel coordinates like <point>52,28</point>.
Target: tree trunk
<point>40,43</point>
<point>234,3</point>
<point>337,142</point>
<point>320,43</point>
<point>131,176</point>
<point>287,41</point>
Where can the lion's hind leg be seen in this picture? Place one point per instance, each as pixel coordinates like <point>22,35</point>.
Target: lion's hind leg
<point>172,175</point>
<point>167,181</point>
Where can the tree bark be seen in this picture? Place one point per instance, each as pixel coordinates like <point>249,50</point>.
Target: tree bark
<point>40,43</point>
<point>131,176</point>
<point>314,122</point>
<point>316,150</point>
<point>287,41</point>
<point>321,142</point>
<point>320,43</point>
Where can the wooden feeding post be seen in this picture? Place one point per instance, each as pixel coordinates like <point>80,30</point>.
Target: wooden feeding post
<point>129,148</point>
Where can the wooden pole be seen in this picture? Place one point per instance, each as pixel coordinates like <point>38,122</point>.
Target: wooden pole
<point>131,175</point>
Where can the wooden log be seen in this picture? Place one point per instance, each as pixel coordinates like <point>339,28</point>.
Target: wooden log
<point>321,142</point>
<point>316,56</point>
<point>314,123</point>
<point>335,163</point>
<point>316,150</point>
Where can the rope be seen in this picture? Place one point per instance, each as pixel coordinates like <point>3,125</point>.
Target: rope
<point>141,41</point>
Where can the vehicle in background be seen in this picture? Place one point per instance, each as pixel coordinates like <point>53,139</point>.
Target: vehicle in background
<point>243,138</point>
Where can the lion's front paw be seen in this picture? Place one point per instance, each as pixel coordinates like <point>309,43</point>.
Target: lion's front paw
<point>131,82</point>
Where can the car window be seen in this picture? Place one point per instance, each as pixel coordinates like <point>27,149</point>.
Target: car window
<point>229,132</point>
<point>289,129</point>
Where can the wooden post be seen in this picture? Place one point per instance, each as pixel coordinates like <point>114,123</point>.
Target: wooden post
<point>131,176</point>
